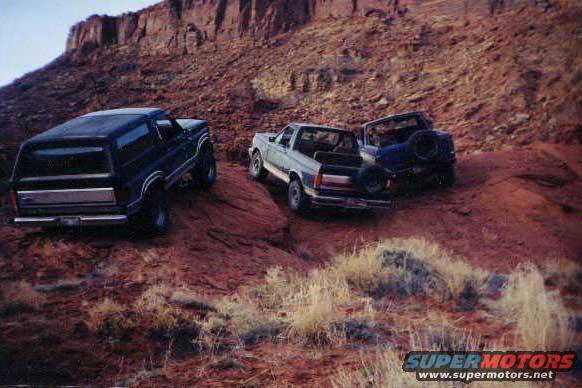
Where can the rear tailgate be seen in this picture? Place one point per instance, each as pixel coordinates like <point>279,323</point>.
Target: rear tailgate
<point>64,178</point>
<point>337,180</point>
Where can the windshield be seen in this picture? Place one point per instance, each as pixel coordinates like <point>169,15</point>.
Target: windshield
<point>65,161</point>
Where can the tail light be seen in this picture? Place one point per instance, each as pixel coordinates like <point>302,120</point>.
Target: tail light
<point>121,195</point>
<point>12,200</point>
<point>318,180</point>
<point>333,182</point>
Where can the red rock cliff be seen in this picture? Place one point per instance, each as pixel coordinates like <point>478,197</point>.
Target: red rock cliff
<point>184,24</point>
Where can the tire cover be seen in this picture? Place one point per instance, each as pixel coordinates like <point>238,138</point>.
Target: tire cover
<point>424,145</point>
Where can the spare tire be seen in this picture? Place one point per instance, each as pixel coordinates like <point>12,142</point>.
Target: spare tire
<point>372,180</point>
<point>424,145</point>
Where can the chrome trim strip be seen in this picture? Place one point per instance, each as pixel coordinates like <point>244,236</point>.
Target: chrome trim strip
<point>83,220</point>
<point>146,184</point>
<point>344,202</point>
<point>23,220</point>
<point>104,218</point>
<point>67,197</point>
<point>65,191</point>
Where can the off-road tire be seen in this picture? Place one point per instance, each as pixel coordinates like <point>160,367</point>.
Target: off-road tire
<point>257,169</point>
<point>206,172</point>
<point>154,217</point>
<point>297,199</point>
<point>447,176</point>
<point>372,180</point>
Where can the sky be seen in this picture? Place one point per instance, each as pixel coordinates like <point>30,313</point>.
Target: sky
<point>34,32</point>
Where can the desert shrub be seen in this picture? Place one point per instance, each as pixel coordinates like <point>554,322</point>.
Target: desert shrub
<point>225,363</point>
<point>153,305</point>
<point>236,322</point>
<point>362,269</point>
<point>108,318</point>
<point>191,300</point>
<point>413,266</point>
<point>542,321</point>
<point>430,265</point>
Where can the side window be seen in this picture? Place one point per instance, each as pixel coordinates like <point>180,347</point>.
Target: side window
<point>134,143</point>
<point>167,127</point>
<point>284,137</point>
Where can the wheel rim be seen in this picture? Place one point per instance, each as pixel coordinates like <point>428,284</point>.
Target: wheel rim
<point>211,172</point>
<point>256,164</point>
<point>160,216</point>
<point>210,169</point>
<point>294,196</point>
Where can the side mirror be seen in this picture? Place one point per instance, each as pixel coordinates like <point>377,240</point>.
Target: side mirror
<point>271,139</point>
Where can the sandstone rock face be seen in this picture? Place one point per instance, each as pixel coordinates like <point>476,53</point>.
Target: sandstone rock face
<point>185,24</point>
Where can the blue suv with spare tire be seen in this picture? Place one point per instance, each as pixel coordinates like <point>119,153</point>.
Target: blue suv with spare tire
<point>407,146</point>
<point>110,167</point>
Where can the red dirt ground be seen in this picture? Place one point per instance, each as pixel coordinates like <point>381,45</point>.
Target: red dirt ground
<point>508,207</point>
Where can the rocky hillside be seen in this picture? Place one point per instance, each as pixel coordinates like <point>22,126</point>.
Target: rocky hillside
<point>498,79</point>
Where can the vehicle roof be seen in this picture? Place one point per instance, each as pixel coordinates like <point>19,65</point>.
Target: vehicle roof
<point>307,125</point>
<point>105,124</point>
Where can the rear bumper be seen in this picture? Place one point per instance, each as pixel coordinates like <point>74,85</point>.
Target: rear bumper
<point>73,220</point>
<point>350,203</point>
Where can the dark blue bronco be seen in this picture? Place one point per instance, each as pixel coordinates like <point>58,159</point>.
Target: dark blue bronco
<point>408,147</point>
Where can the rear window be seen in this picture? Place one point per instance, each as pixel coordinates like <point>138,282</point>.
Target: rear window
<point>53,162</point>
<point>314,140</point>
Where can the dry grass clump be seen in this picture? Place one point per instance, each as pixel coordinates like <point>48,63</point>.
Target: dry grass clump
<point>190,300</point>
<point>19,297</point>
<point>361,269</point>
<point>315,307</point>
<point>153,305</point>
<point>277,289</point>
<point>109,318</point>
<point>542,321</point>
<point>236,322</point>
<point>440,335</point>
<point>313,314</point>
